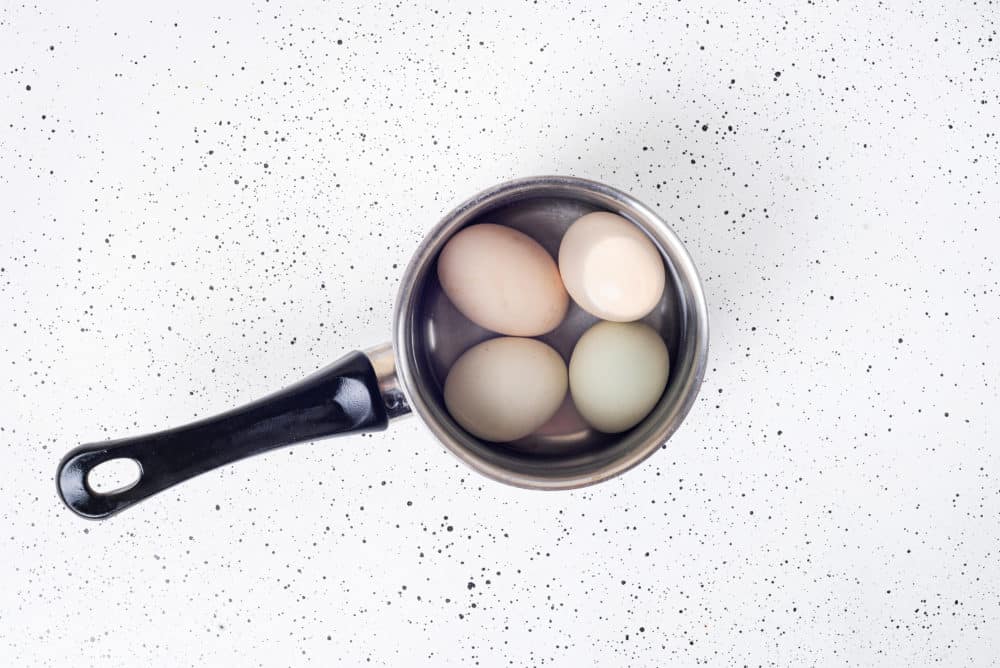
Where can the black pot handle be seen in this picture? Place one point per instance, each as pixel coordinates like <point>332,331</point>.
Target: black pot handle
<point>339,399</point>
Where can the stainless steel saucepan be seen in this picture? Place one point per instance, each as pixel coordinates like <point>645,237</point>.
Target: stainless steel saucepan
<point>365,391</point>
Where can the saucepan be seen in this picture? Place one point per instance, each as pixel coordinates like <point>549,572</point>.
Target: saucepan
<point>366,390</point>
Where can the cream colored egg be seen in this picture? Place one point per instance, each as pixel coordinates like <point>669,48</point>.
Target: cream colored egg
<point>617,373</point>
<point>503,280</point>
<point>505,388</point>
<point>610,268</point>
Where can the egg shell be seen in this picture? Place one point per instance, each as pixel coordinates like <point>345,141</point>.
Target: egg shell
<point>564,422</point>
<point>505,388</point>
<point>503,280</point>
<point>610,268</point>
<point>617,374</point>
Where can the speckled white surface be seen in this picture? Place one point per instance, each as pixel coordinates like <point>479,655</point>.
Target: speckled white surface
<point>203,204</point>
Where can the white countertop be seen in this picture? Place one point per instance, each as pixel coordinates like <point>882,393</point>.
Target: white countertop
<point>202,205</point>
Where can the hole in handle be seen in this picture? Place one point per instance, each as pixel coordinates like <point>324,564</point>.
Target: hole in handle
<point>114,476</point>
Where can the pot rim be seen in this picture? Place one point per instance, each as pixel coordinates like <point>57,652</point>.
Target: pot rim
<point>673,406</point>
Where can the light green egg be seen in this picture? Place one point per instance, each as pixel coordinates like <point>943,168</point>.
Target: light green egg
<point>617,374</point>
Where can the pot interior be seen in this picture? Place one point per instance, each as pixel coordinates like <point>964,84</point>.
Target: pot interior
<point>432,334</point>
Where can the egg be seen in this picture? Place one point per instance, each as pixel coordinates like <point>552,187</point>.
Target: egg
<point>617,374</point>
<point>610,268</point>
<point>565,424</point>
<point>505,388</point>
<point>503,280</point>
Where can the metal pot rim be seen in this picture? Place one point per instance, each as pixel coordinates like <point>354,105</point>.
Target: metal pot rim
<point>665,418</point>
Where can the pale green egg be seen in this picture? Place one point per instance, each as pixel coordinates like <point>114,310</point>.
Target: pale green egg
<point>617,374</point>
